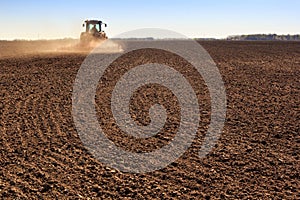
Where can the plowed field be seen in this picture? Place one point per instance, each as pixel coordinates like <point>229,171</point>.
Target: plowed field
<point>256,157</point>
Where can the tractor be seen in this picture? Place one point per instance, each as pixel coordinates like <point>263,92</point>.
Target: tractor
<point>93,32</point>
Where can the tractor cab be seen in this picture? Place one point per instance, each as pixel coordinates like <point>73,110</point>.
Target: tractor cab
<point>90,24</point>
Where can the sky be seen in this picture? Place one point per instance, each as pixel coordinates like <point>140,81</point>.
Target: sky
<point>54,19</point>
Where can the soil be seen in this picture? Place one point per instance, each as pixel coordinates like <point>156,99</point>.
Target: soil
<point>256,157</point>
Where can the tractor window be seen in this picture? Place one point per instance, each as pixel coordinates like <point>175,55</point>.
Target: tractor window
<point>92,25</point>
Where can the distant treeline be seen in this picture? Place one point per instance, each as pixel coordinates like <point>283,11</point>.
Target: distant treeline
<point>265,37</point>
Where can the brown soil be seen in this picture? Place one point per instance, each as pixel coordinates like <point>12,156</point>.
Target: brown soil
<point>257,156</point>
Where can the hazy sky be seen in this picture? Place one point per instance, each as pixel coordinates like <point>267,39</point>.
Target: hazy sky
<point>28,19</point>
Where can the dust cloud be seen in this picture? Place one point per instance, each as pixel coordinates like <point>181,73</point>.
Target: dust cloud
<point>21,48</point>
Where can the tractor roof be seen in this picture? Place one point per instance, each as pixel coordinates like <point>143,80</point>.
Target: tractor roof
<point>92,21</point>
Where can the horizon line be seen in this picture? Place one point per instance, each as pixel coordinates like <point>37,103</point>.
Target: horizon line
<point>154,38</point>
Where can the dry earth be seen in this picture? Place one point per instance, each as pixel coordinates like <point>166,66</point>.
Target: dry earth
<point>257,156</point>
